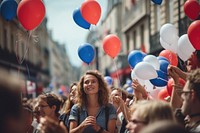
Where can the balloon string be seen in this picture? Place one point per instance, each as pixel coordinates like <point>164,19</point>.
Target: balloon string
<point>26,51</point>
<point>162,79</point>
<point>28,71</point>
<point>116,72</point>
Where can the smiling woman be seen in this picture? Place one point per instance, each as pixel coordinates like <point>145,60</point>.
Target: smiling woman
<point>92,113</point>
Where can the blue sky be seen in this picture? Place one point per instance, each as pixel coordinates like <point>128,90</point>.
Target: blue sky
<point>64,29</point>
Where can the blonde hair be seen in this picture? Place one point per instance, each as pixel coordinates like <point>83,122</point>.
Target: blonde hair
<point>151,111</point>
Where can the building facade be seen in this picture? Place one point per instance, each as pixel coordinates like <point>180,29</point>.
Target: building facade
<point>137,23</point>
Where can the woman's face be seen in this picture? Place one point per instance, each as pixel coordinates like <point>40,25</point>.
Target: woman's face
<point>44,108</point>
<point>135,124</point>
<point>73,94</point>
<point>90,84</point>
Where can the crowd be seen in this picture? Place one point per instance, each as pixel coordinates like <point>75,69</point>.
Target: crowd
<point>93,107</point>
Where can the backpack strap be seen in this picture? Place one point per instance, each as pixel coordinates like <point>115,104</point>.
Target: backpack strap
<point>106,115</point>
<point>78,116</point>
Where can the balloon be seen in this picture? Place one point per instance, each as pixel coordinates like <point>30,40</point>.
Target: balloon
<point>167,46</point>
<point>161,80</point>
<point>30,13</point>
<point>91,11</point>
<point>135,57</point>
<point>172,57</point>
<point>185,48</point>
<point>171,83</point>
<point>194,33</point>
<point>111,45</point>
<point>162,58</point>
<point>8,9</point>
<point>109,80</point>
<point>151,59</point>
<point>157,1</point>
<point>191,9</point>
<point>164,65</point>
<point>86,53</point>
<point>79,20</point>
<point>163,94</point>
<point>169,34</point>
<point>130,90</point>
<point>145,71</point>
<point>133,76</point>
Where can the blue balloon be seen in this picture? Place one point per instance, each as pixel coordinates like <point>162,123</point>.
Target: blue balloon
<point>60,92</point>
<point>79,20</point>
<point>8,9</point>
<point>109,80</point>
<point>130,90</point>
<point>86,52</point>
<point>164,65</point>
<point>157,1</point>
<point>135,57</point>
<point>161,80</point>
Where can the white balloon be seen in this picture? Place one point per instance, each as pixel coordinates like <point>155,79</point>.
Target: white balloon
<point>167,46</point>
<point>145,71</point>
<point>133,76</point>
<point>169,33</point>
<point>185,48</point>
<point>151,59</point>
<point>182,55</point>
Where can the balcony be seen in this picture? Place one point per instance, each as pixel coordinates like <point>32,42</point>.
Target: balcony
<point>132,16</point>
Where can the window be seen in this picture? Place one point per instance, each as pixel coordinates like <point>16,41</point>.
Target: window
<point>134,39</point>
<point>142,33</point>
<point>127,43</point>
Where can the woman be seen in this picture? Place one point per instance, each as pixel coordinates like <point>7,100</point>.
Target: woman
<point>68,105</point>
<point>92,113</point>
<point>147,112</point>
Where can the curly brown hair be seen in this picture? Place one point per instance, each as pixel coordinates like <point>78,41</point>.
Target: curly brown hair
<point>103,93</point>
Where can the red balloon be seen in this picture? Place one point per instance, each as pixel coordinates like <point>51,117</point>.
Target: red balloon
<point>91,11</point>
<point>163,94</point>
<point>192,9</point>
<point>30,13</point>
<point>111,45</point>
<point>171,83</point>
<point>171,56</point>
<point>194,34</point>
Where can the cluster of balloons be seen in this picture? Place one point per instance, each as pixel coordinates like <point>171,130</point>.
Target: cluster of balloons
<point>174,45</point>
<point>30,13</point>
<point>89,13</point>
<point>148,67</point>
<point>8,9</point>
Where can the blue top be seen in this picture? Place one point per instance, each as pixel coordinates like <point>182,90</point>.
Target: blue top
<point>100,118</point>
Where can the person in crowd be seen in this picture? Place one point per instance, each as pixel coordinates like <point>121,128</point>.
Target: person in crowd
<point>191,100</point>
<point>68,105</point>
<point>92,113</point>
<point>129,100</point>
<point>28,117</point>
<point>48,106</point>
<point>139,91</point>
<point>146,112</point>
<point>122,109</point>
<point>164,127</point>
<point>11,120</point>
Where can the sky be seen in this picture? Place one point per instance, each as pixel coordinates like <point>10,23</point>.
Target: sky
<point>59,14</point>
